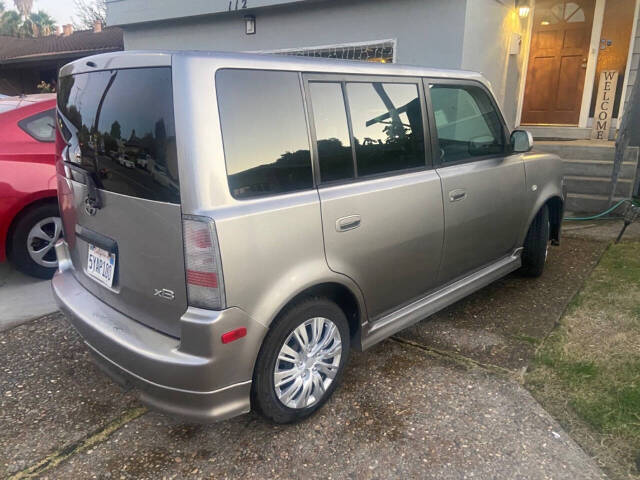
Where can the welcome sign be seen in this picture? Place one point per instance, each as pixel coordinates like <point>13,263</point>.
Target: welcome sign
<point>604,105</point>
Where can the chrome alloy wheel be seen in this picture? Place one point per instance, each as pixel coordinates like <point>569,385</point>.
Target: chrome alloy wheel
<point>41,240</point>
<point>307,363</point>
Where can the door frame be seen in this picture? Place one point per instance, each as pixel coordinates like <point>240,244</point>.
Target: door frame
<point>592,61</point>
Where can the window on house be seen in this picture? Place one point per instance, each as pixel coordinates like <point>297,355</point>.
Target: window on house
<point>468,125</point>
<point>332,132</point>
<point>386,121</point>
<point>41,126</point>
<point>382,52</point>
<point>264,132</point>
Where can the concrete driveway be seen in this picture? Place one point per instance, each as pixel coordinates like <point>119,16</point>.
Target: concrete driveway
<point>22,297</point>
<point>441,400</point>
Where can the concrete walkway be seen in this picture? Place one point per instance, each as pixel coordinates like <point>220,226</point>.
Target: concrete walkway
<point>22,298</point>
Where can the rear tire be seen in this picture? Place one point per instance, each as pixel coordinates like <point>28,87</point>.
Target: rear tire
<point>308,373</point>
<point>536,244</point>
<point>34,235</point>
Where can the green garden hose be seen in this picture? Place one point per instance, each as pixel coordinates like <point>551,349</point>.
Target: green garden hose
<point>631,214</point>
<point>600,215</point>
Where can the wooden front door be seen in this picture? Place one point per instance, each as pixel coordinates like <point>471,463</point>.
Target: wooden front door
<point>557,62</point>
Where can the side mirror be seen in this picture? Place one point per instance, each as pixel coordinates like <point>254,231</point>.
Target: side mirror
<point>521,141</point>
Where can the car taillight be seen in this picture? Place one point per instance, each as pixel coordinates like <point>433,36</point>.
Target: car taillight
<point>205,285</point>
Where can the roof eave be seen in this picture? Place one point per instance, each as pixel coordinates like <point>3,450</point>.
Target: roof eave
<point>71,55</point>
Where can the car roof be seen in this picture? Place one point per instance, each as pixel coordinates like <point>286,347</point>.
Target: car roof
<point>158,58</point>
<point>11,103</point>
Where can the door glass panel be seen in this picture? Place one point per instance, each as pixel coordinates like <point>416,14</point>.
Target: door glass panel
<point>546,15</point>
<point>573,13</point>
<point>577,17</point>
<point>467,123</point>
<point>558,10</point>
<point>332,132</point>
<point>386,120</point>
<point>264,132</point>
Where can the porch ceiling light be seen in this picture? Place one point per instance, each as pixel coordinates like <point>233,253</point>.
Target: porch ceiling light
<point>523,12</point>
<point>523,8</point>
<point>249,24</point>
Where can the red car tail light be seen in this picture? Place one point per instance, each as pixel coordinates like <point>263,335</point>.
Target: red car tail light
<point>205,285</point>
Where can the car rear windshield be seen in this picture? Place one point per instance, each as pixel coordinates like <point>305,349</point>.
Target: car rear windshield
<point>119,125</point>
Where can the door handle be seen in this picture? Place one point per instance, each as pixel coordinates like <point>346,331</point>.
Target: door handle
<point>347,223</point>
<point>456,195</point>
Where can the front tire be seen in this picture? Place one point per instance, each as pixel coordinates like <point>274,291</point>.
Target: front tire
<point>34,236</point>
<point>301,361</point>
<point>536,244</point>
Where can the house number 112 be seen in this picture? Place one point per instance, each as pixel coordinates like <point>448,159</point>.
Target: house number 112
<point>239,4</point>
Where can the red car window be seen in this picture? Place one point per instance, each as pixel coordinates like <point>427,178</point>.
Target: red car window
<point>40,126</point>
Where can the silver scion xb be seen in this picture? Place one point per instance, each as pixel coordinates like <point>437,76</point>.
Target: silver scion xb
<point>271,213</point>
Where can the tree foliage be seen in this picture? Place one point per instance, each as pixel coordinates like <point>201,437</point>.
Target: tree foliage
<point>24,23</point>
<point>88,12</point>
<point>24,7</point>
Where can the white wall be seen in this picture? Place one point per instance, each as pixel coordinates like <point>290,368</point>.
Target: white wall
<point>489,28</point>
<point>428,32</point>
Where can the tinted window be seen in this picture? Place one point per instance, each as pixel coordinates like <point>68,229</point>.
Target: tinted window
<point>332,132</point>
<point>386,120</point>
<point>264,132</point>
<point>41,126</point>
<point>121,123</point>
<point>468,124</point>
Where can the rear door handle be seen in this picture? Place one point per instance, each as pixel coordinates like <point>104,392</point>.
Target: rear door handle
<point>457,194</point>
<point>348,223</point>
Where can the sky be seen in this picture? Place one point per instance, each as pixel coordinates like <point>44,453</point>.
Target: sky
<point>61,10</point>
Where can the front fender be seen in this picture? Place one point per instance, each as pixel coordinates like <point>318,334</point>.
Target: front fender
<point>543,180</point>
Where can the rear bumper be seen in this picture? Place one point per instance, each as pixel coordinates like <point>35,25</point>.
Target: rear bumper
<point>196,377</point>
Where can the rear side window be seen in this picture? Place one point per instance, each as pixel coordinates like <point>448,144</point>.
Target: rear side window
<point>332,132</point>
<point>467,122</point>
<point>264,132</point>
<point>122,125</point>
<point>41,126</point>
<point>386,120</point>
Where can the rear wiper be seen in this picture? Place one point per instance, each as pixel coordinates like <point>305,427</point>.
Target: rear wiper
<point>93,198</point>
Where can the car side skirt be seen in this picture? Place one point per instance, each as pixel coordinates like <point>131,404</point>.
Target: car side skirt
<point>436,301</point>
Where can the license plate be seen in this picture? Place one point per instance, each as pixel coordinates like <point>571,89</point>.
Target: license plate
<point>101,265</point>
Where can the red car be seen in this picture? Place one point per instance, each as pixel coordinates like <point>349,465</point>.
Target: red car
<point>29,218</point>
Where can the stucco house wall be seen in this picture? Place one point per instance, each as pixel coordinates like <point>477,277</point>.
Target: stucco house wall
<point>428,33</point>
<point>488,35</point>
